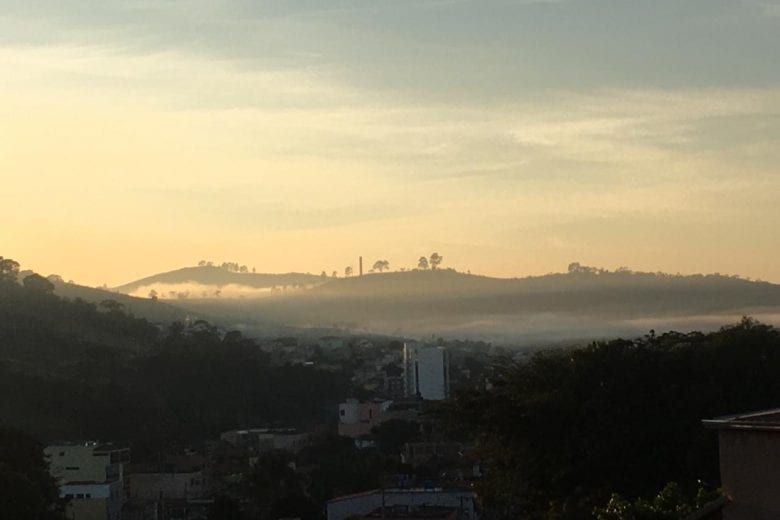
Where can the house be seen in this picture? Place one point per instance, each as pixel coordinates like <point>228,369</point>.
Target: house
<point>356,418</point>
<point>259,440</point>
<point>91,476</point>
<point>749,449</point>
<point>404,501</point>
<point>405,513</point>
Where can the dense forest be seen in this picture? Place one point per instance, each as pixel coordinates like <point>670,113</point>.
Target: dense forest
<point>73,369</point>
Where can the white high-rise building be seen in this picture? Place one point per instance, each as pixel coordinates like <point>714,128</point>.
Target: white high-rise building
<point>426,372</point>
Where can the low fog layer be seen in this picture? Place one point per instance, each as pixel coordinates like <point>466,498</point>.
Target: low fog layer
<point>585,303</point>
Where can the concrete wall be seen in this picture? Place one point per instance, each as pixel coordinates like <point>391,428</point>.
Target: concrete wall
<point>363,503</point>
<point>77,463</point>
<point>750,473</point>
<point>168,485</point>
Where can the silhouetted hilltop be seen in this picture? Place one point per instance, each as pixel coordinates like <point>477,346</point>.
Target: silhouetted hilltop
<point>214,276</point>
<point>608,284</point>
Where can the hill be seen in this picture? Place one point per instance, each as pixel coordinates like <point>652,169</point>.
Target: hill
<point>195,280</point>
<point>582,304</point>
<point>73,369</point>
<point>153,310</point>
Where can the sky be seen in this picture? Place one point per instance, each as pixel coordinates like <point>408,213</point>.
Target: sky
<point>510,136</point>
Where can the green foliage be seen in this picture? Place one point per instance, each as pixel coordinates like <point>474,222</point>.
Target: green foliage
<point>38,283</point>
<point>27,491</point>
<point>134,383</point>
<point>393,434</point>
<point>9,270</point>
<point>671,503</point>
<point>570,427</point>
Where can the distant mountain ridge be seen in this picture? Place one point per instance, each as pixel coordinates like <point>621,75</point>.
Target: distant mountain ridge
<point>218,277</point>
<point>582,303</point>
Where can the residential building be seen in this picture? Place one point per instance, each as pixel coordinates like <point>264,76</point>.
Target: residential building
<point>357,418</point>
<point>157,485</point>
<point>259,440</point>
<point>419,453</point>
<point>402,500</point>
<point>749,448</point>
<point>406,513</point>
<point>91,475</point>
<point>426,372</point>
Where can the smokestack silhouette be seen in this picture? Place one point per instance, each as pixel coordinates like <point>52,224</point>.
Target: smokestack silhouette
<point>361,266</point>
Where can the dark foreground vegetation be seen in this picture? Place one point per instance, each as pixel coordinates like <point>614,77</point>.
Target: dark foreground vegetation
<point>563,432</point>
<point>73,369</point>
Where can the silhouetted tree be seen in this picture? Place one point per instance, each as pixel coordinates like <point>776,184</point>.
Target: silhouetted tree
<point>112,306</point>
<point>9,270</point>
<point>38,283</point>
<point>348,271</point>
<point>422,263</point>
<point>381,265</point>
<point>435,260</point>
<point>28,491</point>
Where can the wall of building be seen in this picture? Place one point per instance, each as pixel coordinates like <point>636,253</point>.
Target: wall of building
<point>356,418</point>
<point>750,473</point>
<point>363,503</point>
<point>69,463</point>
<point>168,485</point>
<point>426,372</point>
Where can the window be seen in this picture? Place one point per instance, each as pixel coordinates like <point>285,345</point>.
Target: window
<point>72,468</point>
<point>343,412</point>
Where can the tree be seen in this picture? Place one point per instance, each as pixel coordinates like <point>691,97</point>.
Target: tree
<point>381,265</point>
<point>9,270</point>
<point>38,283</point>
<point>112,305</point>
<point>393,434</point>
<point>202,263</point>
<point>28,489</point>
<point>153,295</point>
<point>422,263</point>
<point>335,274</point>
<point>323,275</point>
<point>243,269</point>
<point>348,271</point>
<point>435,260</point>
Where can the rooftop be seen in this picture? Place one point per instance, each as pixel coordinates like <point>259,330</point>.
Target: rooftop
<point>764,420</point>
<point>424,513</point>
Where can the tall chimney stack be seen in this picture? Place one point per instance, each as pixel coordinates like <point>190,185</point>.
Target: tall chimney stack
<point>361,266</point>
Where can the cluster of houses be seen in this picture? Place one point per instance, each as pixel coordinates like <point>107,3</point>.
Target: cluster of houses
<point>102,482</point>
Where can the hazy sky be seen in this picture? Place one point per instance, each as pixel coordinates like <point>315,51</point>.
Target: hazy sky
<point>511,136</point>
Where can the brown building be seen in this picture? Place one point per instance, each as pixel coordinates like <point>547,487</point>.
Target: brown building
<point>749,464</point>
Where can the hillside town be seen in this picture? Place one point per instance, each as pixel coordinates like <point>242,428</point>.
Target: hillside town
<point>398,388</point>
